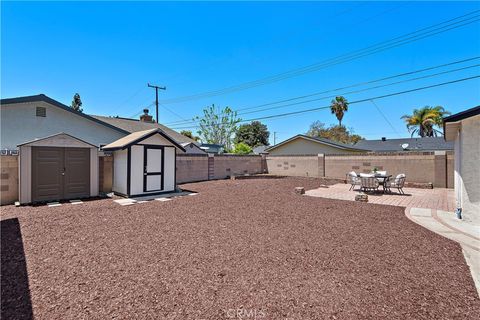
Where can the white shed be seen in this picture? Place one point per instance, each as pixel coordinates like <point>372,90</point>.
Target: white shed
<point>144,163</point>
<point>57,167</point>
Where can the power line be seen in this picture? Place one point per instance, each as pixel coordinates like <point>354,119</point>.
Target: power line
<point>385,118</point>
<point>352,102</point>
<point>351,86</point>
<point>381,46</point>
<point>366,89</point>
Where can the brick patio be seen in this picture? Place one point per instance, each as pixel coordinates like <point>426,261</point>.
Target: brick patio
<point>440,198</point>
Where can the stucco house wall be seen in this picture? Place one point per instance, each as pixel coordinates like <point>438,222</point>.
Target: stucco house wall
<point>468,177</point>
<point>301,146</point>
<point>20,124</point>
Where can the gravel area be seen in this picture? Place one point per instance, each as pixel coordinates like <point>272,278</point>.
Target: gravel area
<point>244,249</point>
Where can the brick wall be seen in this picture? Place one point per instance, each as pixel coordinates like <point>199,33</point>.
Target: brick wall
<point>420,167</point>
<point>8,179</point>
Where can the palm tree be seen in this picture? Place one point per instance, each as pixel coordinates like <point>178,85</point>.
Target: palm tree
<point>339,106</point>
<point>423,121</point>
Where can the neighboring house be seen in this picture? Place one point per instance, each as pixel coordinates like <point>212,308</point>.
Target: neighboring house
<point>464,129</point>
<point>212,148</point>
<point>192,148</point>
<point>303,144</point>
<point>59,147</point>
<point>405,144</point>
<point>260,150</point>
<point>34,117</point>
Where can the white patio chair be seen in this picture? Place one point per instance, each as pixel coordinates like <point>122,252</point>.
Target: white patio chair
<point>369,184</point>
<point>398,183</point>
<point>353,180</point>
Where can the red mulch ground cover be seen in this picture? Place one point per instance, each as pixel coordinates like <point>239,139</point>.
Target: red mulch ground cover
<point>245,249</point>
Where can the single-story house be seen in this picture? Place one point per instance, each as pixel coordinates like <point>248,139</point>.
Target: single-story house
<point>56,144</point>
<point>193,148</point>
<point>302,144</point>
<point>212,148</point>
<point>260,150</point>
<point>463,129</point>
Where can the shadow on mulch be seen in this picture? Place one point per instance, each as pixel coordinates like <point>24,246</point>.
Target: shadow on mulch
<point>15,292</point>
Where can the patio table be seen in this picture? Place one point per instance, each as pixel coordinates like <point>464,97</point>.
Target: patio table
<point>381,179</point>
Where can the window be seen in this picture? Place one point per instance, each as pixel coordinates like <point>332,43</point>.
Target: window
<point>41,112</point>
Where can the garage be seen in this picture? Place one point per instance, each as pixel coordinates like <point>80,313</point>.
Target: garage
<point>144,163</point>
<point>58,167</point>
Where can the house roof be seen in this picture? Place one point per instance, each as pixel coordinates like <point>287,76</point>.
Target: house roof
<point>463,115</point>
<point>259,149</point>
<point>452,124</point>
<point>136,137</point>
<point>44,98</point>
<point>318,140</point>
<point>134,125</point>
<point>414,144</point>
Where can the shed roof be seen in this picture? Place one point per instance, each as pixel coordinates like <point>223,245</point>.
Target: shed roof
<point>136,137</point>
<point>57,135</point>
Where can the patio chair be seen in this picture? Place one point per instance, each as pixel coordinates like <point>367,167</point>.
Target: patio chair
<point>369,184</point>
<point>398,183</point>
<point>353,180</point>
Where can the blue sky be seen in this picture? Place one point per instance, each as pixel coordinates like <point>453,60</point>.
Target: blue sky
<point>109,51</point>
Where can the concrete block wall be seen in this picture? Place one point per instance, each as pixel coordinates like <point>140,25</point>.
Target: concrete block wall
<point>8,179</point>
<point>234,165</point>
<point>191,168</point>
<point>296,166</point>
<point>419,167</point>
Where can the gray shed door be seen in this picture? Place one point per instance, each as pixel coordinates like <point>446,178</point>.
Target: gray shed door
<point>60,173</point>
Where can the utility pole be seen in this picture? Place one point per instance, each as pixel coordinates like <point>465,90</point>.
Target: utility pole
<point>156,96</point>
<point>274,137</point>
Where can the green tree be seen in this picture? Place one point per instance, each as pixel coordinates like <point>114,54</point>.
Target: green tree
<point>339,106</point>
<point>253,134</point>
<point>218,126</point>
<point>77,103</point>
<point>335,133</point>
<point>189,134</point>
<point>424,120</point>
<point>242,148</point>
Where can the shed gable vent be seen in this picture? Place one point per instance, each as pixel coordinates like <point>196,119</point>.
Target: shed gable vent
<point>41,112</point>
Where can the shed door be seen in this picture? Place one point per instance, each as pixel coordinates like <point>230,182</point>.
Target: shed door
<point>77,173</point>
<point>60,173</point>
<point>153,157</point>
